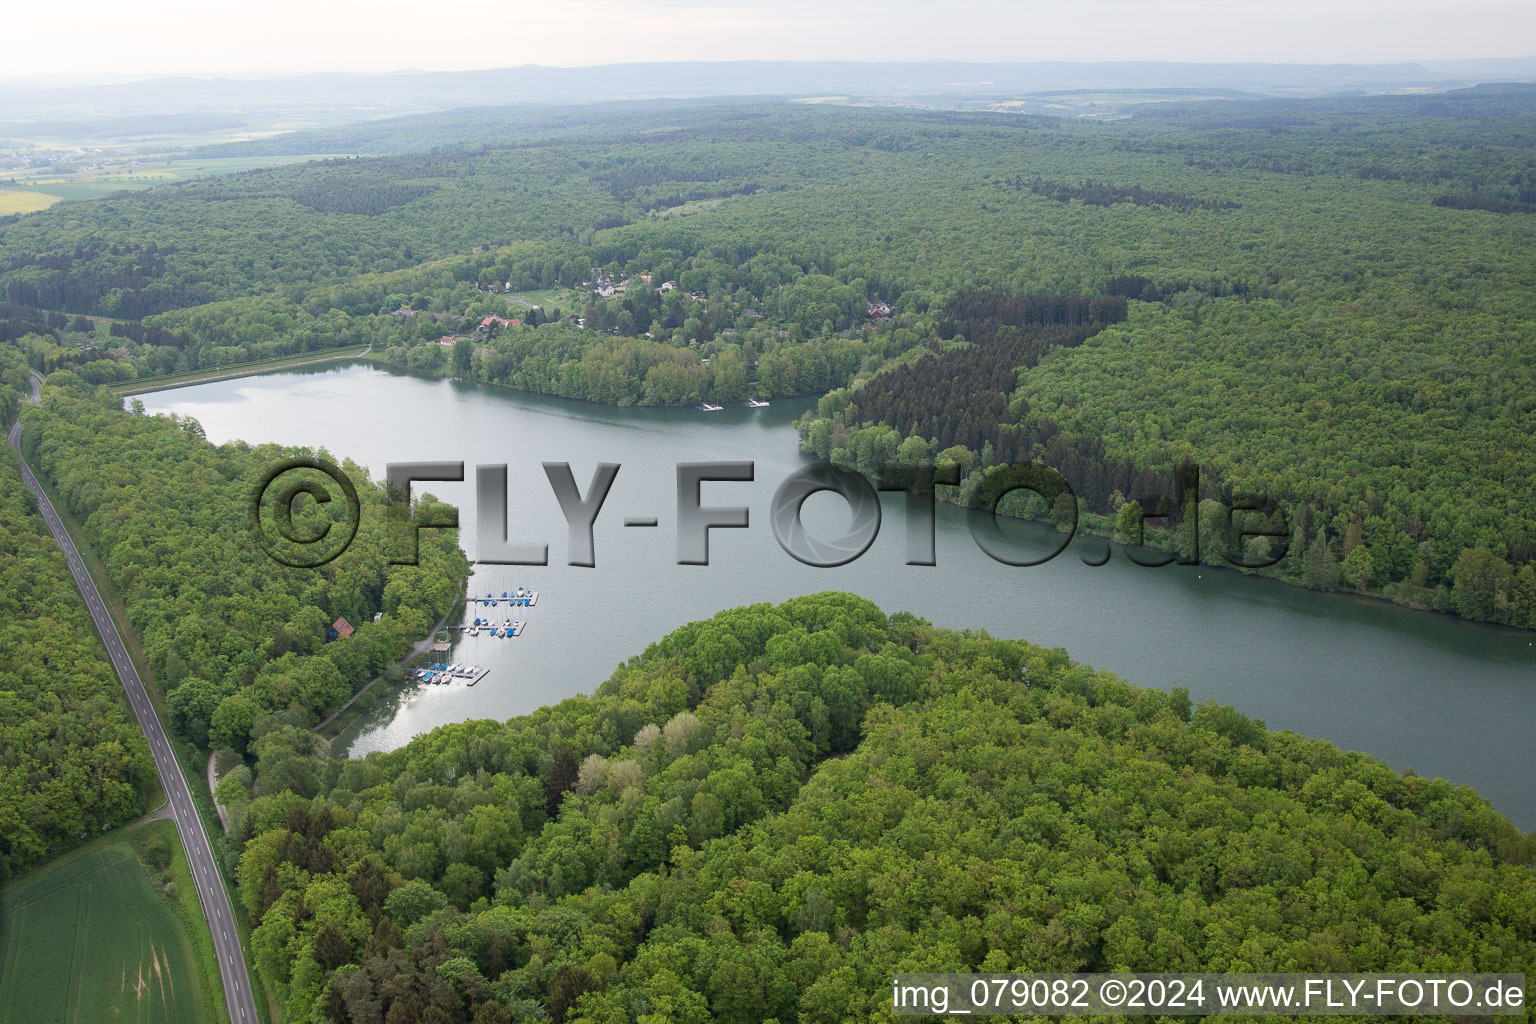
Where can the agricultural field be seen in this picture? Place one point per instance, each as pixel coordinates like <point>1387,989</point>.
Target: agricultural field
<point>41,189</point>
<point>13,201</point>
<point>106,934</point>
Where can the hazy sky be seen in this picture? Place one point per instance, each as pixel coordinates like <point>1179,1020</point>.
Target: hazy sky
<point>167,36</point>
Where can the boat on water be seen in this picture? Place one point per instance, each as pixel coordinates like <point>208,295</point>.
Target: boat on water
<point>522,595</point>
<point>753,403</point>
<point>706,407</point>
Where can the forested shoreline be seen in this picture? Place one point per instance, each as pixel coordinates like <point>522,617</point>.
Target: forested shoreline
<point>238,644</point>
<point>1308,316</point>
<point>769,812</point>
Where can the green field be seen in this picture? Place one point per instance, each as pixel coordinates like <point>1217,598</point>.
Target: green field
<point>95,937</point>
<point>567,300</point>
<point>24,202</point>
<point>136,174</point>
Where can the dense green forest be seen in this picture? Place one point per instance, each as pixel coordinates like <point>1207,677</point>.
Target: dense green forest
<point>765,815</point>
<point>236,641</point>
<point>768,813</point>
<point>13,384</point>
<point>72,759</point>
<point>1328,301</point>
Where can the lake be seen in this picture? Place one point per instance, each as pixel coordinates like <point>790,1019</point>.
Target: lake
<point>1426,692</point>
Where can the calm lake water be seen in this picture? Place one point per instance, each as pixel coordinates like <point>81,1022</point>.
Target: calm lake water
<point>1424,692</point>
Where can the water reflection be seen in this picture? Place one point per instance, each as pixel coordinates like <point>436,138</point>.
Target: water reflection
<point>1426,692</point>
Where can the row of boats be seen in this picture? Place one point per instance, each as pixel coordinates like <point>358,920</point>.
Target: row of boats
<point>506,627</point>
<point>444,672</point>
<point>521,597</point>
<point>752,403</point>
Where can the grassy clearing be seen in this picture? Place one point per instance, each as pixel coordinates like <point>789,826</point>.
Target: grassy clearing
<point>24,202</point>
<point>564,299</point>
<point>110,932</point>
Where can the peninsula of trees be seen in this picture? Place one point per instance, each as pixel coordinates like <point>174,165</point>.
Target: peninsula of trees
<point>769,812</point>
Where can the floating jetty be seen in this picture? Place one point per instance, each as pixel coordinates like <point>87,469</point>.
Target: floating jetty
<point>706,407</point>
<point>753,403</point>
<point>442,672</point>
<point>507,627</point>
<point>519,598</point>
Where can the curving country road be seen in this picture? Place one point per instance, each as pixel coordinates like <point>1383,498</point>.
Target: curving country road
<point>210,889</point>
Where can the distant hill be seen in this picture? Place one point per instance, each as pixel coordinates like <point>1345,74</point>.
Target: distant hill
<point>37,99</point>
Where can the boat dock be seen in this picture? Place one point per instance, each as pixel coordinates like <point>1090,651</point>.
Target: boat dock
<point>513,627</point>
<point>445,673</point>
<point>498,627</point>
<point>519,598</point>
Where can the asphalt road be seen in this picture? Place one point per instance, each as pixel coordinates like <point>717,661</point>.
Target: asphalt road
<point>210,889</point>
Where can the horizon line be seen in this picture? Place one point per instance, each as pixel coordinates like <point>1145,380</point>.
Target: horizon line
<point>86,78</point>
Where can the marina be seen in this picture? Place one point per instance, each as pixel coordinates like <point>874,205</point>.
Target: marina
<point>519,598</point>
<point>446,673</point>
<point>505,628</point>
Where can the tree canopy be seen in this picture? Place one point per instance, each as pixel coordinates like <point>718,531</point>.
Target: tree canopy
<point>235,640</point>
<point>769,812</point>
<point>1326,301</point>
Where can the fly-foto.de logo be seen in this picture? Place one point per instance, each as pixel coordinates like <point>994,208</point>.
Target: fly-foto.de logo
<point>287,484</point>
